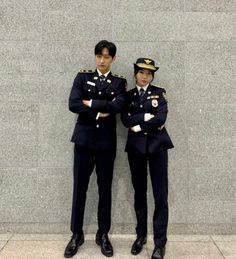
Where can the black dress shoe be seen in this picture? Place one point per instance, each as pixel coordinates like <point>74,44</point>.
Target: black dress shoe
<point>138,245</point>
<point>73,246</point>
<point>158,253</point>
<point>103,241</point>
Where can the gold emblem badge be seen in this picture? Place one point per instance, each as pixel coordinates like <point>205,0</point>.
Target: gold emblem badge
<point>147,61</point>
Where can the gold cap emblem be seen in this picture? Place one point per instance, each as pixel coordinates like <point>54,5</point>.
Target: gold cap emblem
<point>147,61</point>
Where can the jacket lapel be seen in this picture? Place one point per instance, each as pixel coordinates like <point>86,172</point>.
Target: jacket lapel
<point>95,78</point>
<point>135,96</point>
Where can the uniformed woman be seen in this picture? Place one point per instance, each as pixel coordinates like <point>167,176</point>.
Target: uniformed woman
<point>145,115</point>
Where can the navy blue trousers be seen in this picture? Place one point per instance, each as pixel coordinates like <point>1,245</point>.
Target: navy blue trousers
<point>158,164</point>
<point>85,160</point>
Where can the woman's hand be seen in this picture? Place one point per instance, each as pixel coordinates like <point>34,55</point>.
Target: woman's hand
<point>148,116</point>
<point>160,128</point>
<point>103,115</point>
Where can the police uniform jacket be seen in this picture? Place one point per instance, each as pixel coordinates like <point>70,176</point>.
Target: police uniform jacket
<point>150,139</point>
<point>107,97</point>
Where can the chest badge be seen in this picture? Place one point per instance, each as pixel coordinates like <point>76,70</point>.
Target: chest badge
<point>91,83</point>
<point>154,103</point>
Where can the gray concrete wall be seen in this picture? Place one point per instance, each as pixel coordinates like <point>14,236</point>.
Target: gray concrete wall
<point>43,43</point>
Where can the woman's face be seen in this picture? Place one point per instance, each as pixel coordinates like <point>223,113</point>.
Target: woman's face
<point>143,77</point>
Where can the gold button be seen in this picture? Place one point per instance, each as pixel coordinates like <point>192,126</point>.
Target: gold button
<point>145,133</point>
<point>89,90</point>
<point>97,126</point>
<point>141,106</point>
<point>99,92</point>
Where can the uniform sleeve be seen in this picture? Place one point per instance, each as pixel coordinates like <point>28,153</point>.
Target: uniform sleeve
<point>114,106</point>
<point>76,96</point>
<point>128,119</point>
<point>161,115</point>
<point>132,120</point>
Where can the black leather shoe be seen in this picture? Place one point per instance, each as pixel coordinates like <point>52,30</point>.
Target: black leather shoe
<point>158,253</point>
<point>138,245</point>
<point>73,246</point>
<point>103,241</point>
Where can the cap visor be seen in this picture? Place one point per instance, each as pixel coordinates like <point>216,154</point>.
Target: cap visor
<point>150,67</point>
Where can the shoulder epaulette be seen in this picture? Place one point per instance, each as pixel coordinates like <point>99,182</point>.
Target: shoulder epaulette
<point>163,92</point>
<point>164,96</point>
<point>159,86</point>
<point>132,91</point>
<point>119,76</point>
<point>86,71</point>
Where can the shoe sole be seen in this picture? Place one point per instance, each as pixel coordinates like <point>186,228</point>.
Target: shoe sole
<point>80,244</point>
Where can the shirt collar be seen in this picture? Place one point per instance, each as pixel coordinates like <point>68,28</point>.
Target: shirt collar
<point>100,73</point>
<point>144,87</point>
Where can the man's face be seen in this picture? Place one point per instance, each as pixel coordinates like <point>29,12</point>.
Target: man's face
<point>104,61</point>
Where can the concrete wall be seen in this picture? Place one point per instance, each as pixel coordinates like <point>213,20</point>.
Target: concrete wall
<point>43,43</point>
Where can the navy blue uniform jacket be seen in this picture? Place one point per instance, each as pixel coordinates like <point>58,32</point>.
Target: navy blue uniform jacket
<point>107,98</point>
<point>149,139</point>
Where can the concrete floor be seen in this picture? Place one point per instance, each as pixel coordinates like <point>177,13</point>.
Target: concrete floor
<point>48,246</point>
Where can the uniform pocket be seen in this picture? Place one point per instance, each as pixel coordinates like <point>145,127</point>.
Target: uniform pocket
<point>89,91</point>
<point>110,93</point>
<point>89,88</point>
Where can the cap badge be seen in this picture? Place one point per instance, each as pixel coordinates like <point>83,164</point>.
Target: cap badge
<point>147,61</point>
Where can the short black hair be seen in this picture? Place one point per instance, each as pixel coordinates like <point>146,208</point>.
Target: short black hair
<point>136,69</point>
<point>105,44</point>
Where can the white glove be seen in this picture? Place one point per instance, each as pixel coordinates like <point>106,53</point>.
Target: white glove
<point>90,103</point>
<point>148,116</point>
<point>136,128</point>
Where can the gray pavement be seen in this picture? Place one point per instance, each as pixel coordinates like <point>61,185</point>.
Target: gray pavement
<point>50,246</point>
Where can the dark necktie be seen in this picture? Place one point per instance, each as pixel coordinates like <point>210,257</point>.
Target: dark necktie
<point>102,79</point>
<point>141,94</point>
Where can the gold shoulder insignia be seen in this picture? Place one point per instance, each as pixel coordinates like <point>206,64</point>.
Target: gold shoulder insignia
<point>86,71</point>
<point>119,76</point>
<point>164,96</point>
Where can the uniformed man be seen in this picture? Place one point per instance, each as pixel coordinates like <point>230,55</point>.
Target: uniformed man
<point>96,96</point>
<point>145,114</point>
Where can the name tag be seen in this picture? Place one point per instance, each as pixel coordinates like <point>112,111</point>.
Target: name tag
<point>91,83</point>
